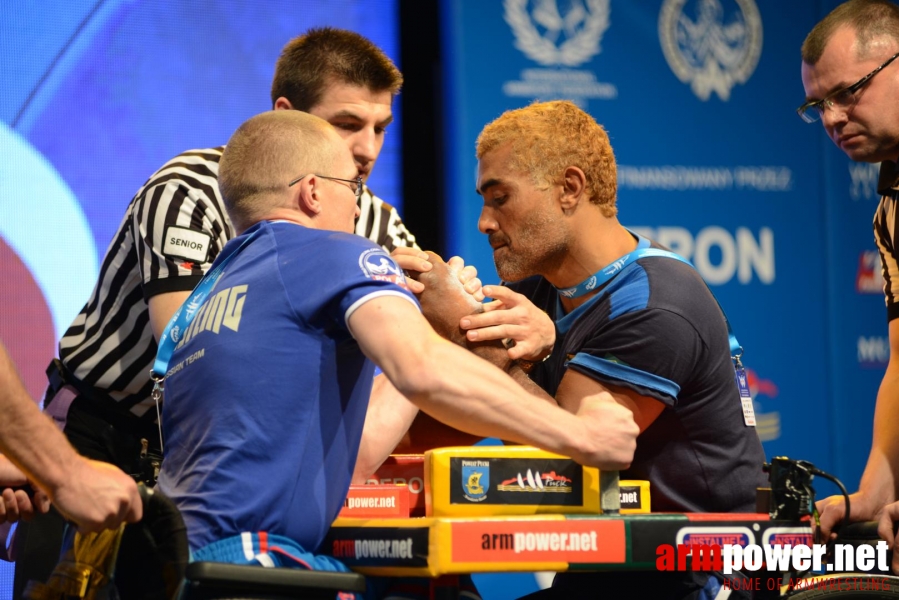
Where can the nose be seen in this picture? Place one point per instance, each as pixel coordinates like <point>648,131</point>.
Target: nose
<point>486,223</point>
<point>833,116</point>
<point>365,147</point>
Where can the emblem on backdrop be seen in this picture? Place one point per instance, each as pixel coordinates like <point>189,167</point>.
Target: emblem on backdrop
<point>550,36</point>
<point>711,45</point>
<point>558,35</point>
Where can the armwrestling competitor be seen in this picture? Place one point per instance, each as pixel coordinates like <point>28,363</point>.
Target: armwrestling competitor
<point>173,229</point>
<point>652,335</point>
<point>266,396</point>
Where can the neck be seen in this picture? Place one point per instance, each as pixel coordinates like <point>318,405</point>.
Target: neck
<point>286,214</point>
<point>594,248</point>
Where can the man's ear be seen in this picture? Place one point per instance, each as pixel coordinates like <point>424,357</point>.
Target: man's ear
<point>574,186</point>
<point>282,103</point>
<point>307,197</point>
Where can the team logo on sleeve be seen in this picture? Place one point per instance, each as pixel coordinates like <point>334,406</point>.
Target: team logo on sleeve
<point>376,264</point>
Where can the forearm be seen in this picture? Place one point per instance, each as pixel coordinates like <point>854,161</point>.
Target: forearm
<point>498,356</point>
<point>29,439</point>
<point>476,397</point>
<point>387,420</point>
<point>470,394</point>
<point>880,478</point>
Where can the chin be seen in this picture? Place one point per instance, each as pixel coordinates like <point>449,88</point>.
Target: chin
<point>510,273</point>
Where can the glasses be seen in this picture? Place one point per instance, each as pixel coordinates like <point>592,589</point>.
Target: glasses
<point>844,98</point>
<point>354,184</point>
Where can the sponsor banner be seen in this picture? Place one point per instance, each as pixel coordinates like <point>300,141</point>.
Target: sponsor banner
<point>647,535</point>
<point>712,535</point>
<point>378,546</point>
<point>521,481</point>
<point>634,498</point>
<point>578,541</point>
<point>794,536</point>
<point>376,501</point>
<point>408,470</point>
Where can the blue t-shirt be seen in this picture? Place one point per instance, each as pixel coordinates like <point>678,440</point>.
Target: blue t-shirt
<point>267,390</point>
<point>657,330</point>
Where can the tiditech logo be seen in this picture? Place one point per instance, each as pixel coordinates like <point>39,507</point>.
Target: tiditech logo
<point>720,255</point>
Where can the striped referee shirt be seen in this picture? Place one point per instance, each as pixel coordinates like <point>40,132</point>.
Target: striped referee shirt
<point>173,229</point>
<point>885,228</point>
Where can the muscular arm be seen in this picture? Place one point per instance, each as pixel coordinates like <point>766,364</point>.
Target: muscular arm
<point>162,307</point>
<point>879,481</point>
<point>576,388</point>
<point>92,494</point>
<point>443,302</point>
<point>388,418</point>
<point>474,396</point>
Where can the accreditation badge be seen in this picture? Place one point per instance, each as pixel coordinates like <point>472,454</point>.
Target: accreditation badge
<point>745,397</point>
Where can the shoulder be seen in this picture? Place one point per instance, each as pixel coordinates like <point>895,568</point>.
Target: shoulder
<point>193,169</point>
<point>377,202</point>
<point>326,247</point>
<point>202,161</point>
<point>661,283</point>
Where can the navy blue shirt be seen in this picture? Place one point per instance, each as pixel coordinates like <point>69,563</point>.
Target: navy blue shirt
<point>657,330</point>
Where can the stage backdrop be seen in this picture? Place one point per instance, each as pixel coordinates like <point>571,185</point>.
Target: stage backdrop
<point>699,98</point>
<point>96,95</point>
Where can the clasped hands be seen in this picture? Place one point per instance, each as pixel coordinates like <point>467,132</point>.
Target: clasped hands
<point>451,297</point>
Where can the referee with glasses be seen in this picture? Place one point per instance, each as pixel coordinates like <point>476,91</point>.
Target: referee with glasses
<point>851,80</point>
<point>172,231</point>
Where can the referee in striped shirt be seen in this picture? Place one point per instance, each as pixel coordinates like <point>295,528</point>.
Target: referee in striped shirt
<point>172,231</point>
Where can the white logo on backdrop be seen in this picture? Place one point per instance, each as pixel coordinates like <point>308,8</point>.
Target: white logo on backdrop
<point>559,34</point>
<point>567,40</point>
<point>714,51</point>
<point>863,181</point>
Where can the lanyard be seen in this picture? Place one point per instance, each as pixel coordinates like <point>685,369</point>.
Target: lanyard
<point>605,274</point>
<point>643,250</point>
<point>182,318</point>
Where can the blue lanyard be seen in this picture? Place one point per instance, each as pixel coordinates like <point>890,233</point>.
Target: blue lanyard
<point>182,318</point>
<point>643,250</point>
<point>605,274</point>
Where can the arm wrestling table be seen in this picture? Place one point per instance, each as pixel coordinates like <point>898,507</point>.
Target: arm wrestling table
<point>436,546</point>
<point>463,534</point>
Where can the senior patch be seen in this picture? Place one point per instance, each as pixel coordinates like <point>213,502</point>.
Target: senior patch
<point>181,242</point>
<point>377,264</point>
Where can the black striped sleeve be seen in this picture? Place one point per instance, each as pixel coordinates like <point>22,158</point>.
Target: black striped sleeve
<point>380,222</point>
<point>885,227</point>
